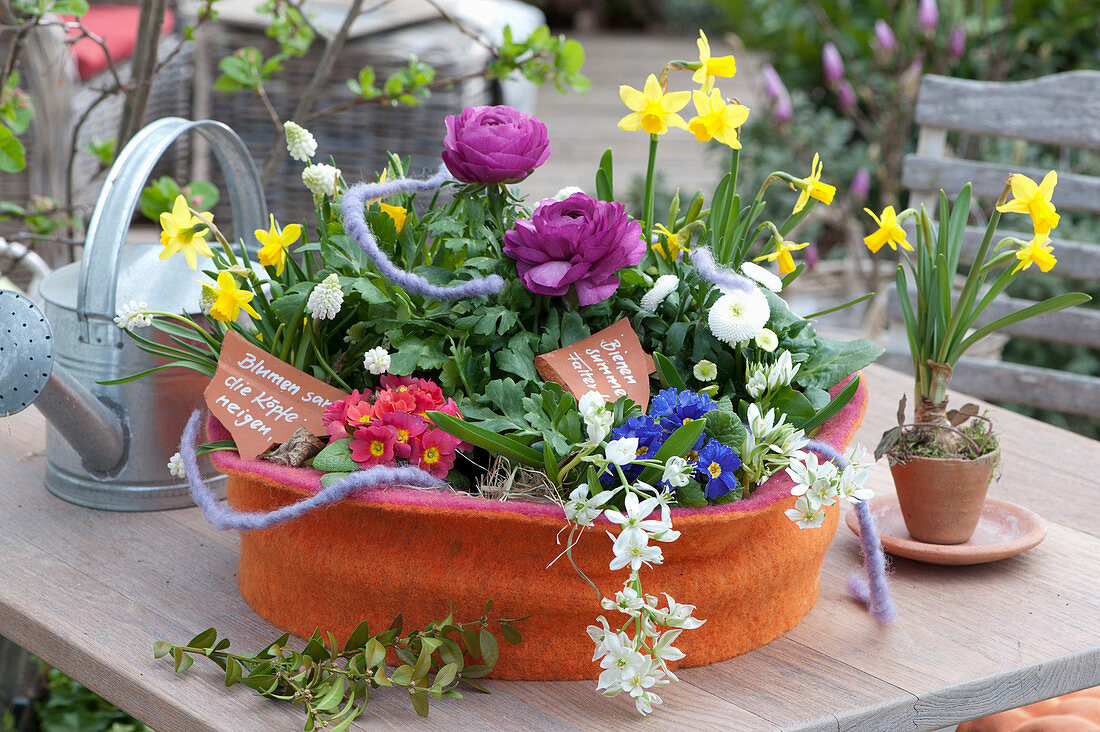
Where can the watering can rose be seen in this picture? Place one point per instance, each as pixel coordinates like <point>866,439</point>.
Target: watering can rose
<point>577,243</point>
<point>494,145</point>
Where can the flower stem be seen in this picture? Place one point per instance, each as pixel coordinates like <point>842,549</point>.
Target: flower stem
<point>650,184</point>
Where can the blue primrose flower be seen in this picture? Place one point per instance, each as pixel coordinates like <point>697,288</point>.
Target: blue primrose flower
<point>673,408</point>
<point>717,464</point>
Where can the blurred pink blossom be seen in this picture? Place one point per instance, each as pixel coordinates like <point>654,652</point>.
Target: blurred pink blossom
<point>884,36</point>
<point>928,14</point>
<point>832,64</point>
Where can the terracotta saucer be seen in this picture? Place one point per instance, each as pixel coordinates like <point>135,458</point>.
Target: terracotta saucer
<point>1004,530</point>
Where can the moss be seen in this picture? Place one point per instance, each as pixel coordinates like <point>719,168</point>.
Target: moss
<point>922,442</point>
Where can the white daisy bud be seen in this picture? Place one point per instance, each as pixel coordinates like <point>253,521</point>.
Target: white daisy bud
<point>762,276</point>
<point>662,288</point>
<point>767,340</point>
<point>326,298</point>
<point>299,142</point>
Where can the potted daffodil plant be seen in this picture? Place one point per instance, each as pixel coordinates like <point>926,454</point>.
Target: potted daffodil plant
<point>943,461</point>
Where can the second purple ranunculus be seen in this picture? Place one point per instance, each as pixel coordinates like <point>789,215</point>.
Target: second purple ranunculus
<point>494,145</point>
<point>577,243</point>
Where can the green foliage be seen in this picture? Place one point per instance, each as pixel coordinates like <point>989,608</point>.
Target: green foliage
<point>541,58</point>
<point>158,197</point>
<point>103,150</point>
<point>71,707</point>
<point>333,683</point>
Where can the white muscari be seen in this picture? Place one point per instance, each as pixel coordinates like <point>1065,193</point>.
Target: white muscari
<point>326,298</point>
<point>762,276</point>
<point>739,316</point>
<point>662,288</point>
<point>377,360</point>
<point>299,142</point>
<point>132,315</point>
<point>176,466</point>
<point>705,370</point>
<point>321,179</point>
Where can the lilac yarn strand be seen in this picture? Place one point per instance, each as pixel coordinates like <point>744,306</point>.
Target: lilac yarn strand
<point>222,517</point>
<point>704,264</point>
<point>355,226</point>
<point>872,591</point>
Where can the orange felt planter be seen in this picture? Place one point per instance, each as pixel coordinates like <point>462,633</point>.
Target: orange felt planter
<point>751,573</point>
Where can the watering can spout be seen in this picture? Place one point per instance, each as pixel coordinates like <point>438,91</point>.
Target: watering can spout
<point>91,427</point>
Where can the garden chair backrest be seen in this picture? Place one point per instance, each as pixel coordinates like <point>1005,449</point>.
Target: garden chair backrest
<point>1060,110</point>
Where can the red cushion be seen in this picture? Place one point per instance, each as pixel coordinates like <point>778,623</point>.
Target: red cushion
<point>117,25</point>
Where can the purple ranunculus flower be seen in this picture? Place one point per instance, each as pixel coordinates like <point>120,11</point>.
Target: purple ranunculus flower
<point>576,243</point>
<point>494,145</point>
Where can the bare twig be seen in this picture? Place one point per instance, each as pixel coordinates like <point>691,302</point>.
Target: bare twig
<point>142,68</point>
<point>462,28</point>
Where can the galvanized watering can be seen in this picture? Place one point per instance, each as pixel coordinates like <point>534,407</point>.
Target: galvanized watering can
<point>108,446</point>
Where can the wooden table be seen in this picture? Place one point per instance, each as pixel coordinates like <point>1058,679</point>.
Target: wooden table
<point>89,591</point>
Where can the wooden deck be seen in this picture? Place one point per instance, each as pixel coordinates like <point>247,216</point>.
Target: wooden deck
<point>582,126</point>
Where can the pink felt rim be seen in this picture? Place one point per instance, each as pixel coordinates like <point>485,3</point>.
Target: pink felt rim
<point>838,431</point>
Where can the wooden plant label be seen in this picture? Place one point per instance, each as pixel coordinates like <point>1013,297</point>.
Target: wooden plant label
<point>262,400</point>
<point>610,362</point>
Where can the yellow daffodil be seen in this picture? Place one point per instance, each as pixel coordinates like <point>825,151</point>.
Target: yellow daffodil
<point>397,213</point>
<point>275,243</point>
<point>723,66</point>
<point>653,108</point>
<point>889,231</point>
<point>675,247</point>
<point>229,299</point>
<point>716,119</point>
<point>782,255</point>
<point>812,187</point>
<point>184,232</point>
<point>1037,251</point>
<point>1034,200</point>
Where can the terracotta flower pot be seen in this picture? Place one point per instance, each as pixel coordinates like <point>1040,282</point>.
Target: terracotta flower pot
<point>941,499</point>
<point>750,571</point>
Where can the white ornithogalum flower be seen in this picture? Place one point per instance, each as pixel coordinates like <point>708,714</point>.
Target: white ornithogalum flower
<point>662,288</point>
<point>597,417</point>
<point>377,360</point>
<point>760,423</point>
<point>853,484</point>
<point>618,661</point>
<point>762,276</point>
<point>176,467</point>
<point>582,508</point>
<point>757,384</point>
<point>622,451</point>
<point>679,616</point>
<point>677,472</point>
<point>299,142</point>
<point>767,340</point>
<point>645,702</point>
<point>644,676</point>
<point>321,179</point>
<point>705,371</point>
<point>805,515</point>
<point>739,316</point>
<point>782,372</point>
<point>635,552</point>
<point>663,648</point>
<point>856,456</point>
<point>132,315</point>
<point>326,298</point>
<point>590,402</point>
<point>633,517</point>
<point>626,601</point>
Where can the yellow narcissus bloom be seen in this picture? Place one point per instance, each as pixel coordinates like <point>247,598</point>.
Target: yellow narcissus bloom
<point>274,244</point>
<point>1037,252</point>
<point>812,187</point>
<point>716,119</point>
<point>230,299</point>
<point>723,66</point>
<point>673,241</point>
<point>653,109</point>
<point>397,213</point>
<point>889,232</point>
<point>782,255</point>
<point>1033,200</point>
<point>184,232</point>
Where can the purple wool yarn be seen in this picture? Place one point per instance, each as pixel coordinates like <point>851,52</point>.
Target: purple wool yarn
<point>703,262</point>
<point>872,591</point>
<point>225,518</point>
<point>355,226</point>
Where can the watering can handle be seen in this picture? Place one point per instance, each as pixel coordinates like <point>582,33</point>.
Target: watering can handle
<point>95,300</point>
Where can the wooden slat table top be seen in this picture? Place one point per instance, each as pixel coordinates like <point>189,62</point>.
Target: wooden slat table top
<point>91,591</point>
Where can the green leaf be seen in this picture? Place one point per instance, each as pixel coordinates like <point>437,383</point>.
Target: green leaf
<point>496,444</point>
<point>205,639</point>
<point>726,428</point>
<point>403,676</point>
<point>183,661</point>
<point>667,372</point>
<point>490,651</point>
<point>336,457</point>
<point>358,637</point>
<point>1061,302</point>
<point>832,361</point>
<point>691,495</point>
<point>510,634</point>
<point>835,405</point>
<point>794,404</point>
<point>13,156</point>
<point>332,696</point>
<point>329,478</point>
<point>161,649</point>
<point>375,653</point>
<point>420,702</point>
<point>678,443</point>
<point>446,675</point>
